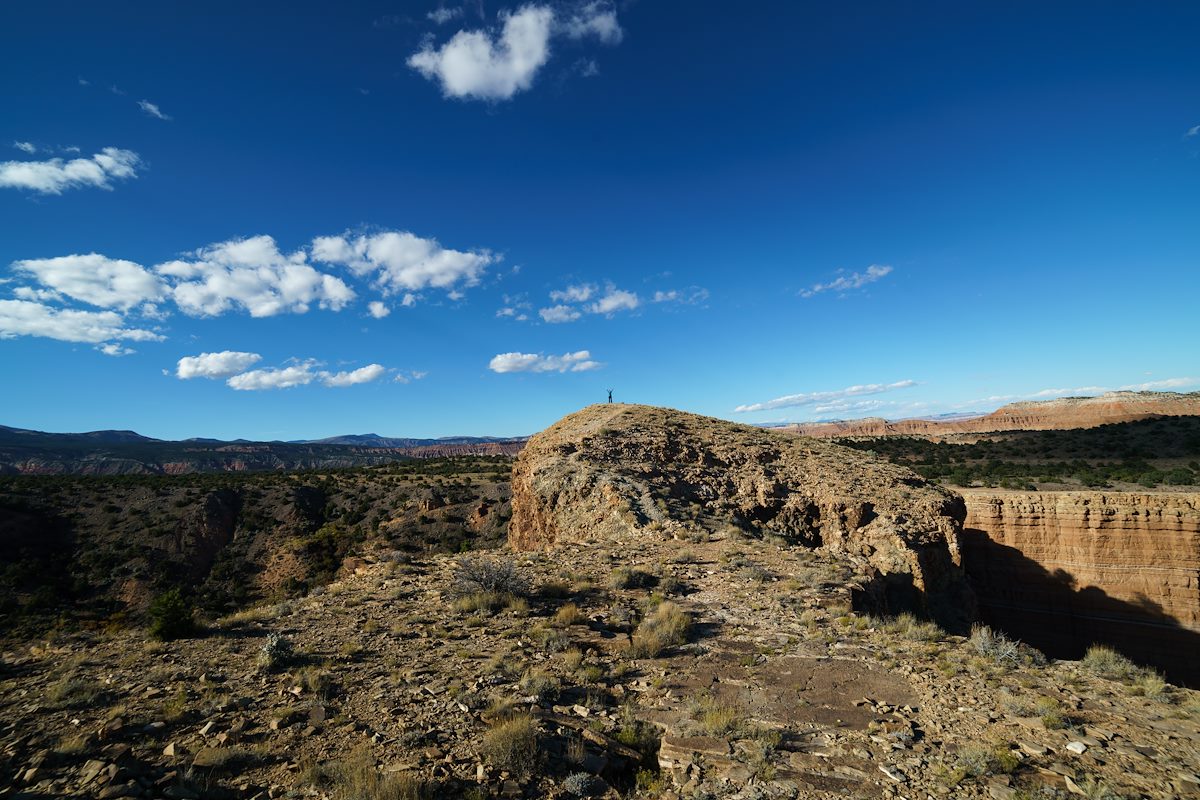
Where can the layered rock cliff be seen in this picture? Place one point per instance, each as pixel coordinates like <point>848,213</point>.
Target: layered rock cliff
<point>1063,570</point>
<point>1065,413</point>
<point>619,472</point>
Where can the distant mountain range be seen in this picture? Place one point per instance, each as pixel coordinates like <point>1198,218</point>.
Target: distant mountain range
<point>112,452</point>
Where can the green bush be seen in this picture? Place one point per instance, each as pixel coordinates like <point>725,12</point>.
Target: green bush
<point>171,616</point>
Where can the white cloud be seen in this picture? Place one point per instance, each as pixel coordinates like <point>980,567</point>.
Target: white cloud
<point>824,398</point>
<point>361,375</point>
<point>476,65</point>
<point>574,294</point>
<point>1167,383</point>
<point>441,15</point>
<point>253,274</point>
<point>377,309</point>
<point>1192,131</point>
<point>27,147</point>
<point>556,314</point>
<point>597,19</point>
<point>38,295</point>
<point>845,283</point>
<point>29,318</point>
<point>580,361</point>
<point>282,378</point>
<point>54,176</point>
<point>692,295</point>
<point>96,279</point>
<point>615,300</point>
<point>152,110</point>
<point>215,365</point>
<point>413,375</point>
<point>402,262</point>
<point>302,373</point>
<point>115,350</point>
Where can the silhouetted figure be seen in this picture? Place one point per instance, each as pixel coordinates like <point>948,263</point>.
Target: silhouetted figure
<point>610,395</point>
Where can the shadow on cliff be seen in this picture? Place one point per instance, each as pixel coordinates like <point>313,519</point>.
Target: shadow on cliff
<point>1048,610</point>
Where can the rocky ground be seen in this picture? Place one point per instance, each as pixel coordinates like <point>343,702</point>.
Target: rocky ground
<point>392,689</point>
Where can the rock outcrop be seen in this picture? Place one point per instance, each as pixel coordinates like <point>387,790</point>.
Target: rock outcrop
<point>1063,570</point>
<point>1065,413</point>
<point>621,471</point>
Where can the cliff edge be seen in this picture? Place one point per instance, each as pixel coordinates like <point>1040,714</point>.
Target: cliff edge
<point>619,472</point>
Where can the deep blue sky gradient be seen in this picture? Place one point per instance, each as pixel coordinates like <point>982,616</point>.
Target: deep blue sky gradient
<point>1024,169</point>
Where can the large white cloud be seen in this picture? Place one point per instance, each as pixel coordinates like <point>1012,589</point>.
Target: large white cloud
<point>486,65</point>
<point>96,279</point>
<point>55,175</point>
<point>580,361</point>
<point>400,261</point>
<point>301,374</point>
<point>820,398</point>
<point>30,318</point>
<point>361,375</point>
<point>215,365</point>
<point>252,274</point>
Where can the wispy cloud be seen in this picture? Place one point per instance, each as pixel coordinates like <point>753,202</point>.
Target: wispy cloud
<point>27,147</point>
<point>1082,391</point>
<point>442,15</point>
<point>152,110</point>
<point>580,361</point>
<point>825,398</point>
<point>56,175</point>
<point>846,283</point>
<point>1192,131</point>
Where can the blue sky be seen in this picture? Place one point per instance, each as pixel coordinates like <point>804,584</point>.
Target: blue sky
<point>277,220</point>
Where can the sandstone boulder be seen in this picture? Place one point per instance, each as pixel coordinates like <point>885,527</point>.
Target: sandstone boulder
<point>616,472</point>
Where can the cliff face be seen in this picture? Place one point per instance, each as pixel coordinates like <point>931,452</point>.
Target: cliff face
<point>1062,414</point>
<point>1063,570</point>
<point>620,472</point>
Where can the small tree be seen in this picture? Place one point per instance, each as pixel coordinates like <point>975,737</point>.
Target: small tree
<point>171,616</point>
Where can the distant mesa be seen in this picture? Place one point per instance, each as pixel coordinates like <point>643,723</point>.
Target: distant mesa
<point>1065,413</point>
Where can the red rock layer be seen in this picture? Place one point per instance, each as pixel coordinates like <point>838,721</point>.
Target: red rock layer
<point>1063,570</point>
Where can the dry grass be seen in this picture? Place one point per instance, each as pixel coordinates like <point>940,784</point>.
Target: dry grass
<point>667,626</point>
<point>512,745</point>
<point>569,614</point>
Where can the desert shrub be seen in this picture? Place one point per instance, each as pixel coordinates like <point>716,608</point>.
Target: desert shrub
<point>555,590</point>
<point>72,691</point>
<point>1106,662</point>
<point>994,645</point>
<point>540,685</point>
<point>977,760</point>
<point>487,602</point>
<point>629,578</point>
<point>357,778</point>
<point>171,616</point>
<point>573,659</point>
<point>910,627</point>
<point>550,639</point>
<point>476,574</point>
<point>569,614</point>
<point>1150,684</point>
<point>581,784</point>
<point>276,653</point>
<point>666,627</point>
<point>713,717</point>
<point>512,745</point>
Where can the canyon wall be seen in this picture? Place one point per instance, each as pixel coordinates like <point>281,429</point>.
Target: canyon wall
<point>1062,570</point>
